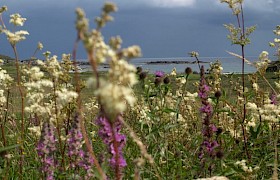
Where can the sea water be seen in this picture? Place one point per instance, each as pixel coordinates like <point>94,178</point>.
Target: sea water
<point>229,64</point>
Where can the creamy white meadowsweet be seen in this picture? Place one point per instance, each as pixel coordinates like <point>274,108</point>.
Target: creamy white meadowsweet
<point>47,97</point>
<point>263,62</point>
<point>252,106</point>
<point>244,167</point>
<point>277,40</point>
<point>173,72</point>
<point>40,46</point>
<point>17,20</point>
<point>15,37</point>
<point>3,9</point>
<point>65,96</point>
<point>115,93</point>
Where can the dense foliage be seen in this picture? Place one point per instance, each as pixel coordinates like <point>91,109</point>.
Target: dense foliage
<point>59,123</point>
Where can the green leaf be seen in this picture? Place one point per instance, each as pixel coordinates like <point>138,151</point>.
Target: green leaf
<point>168,110</point>
<point>229,172</point>
<point>9,148</point>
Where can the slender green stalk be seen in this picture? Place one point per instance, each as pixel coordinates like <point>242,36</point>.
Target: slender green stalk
<point>58,126</point>
<point>22,110</point>
<point>83,130</point>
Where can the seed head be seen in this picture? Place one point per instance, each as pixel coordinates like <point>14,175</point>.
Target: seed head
<point>188,70</point>
<point>142,75</point>
<point>166,80</point>
<point>158,81</point>
<point>218,94</point>
<point>220,154</point>
<point>219,131</point>
<point>139,69</point>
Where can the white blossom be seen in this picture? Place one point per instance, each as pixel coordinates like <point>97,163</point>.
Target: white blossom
<point>15,37</point>
<point>65,96</point>
<point>40,46</point>
<point>17,20</point>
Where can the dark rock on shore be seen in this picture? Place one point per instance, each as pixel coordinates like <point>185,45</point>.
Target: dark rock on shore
<point>174,62</point>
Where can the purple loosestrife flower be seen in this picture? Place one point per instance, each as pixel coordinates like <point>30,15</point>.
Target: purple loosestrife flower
<point>46,149</point>
<point>77,156</point>
<point>273,98</point>
<point>208,146</point>
<point>110,134</point>
<point>159,74</point>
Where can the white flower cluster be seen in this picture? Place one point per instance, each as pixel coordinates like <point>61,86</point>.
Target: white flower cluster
<point>190,97</point>
<point>255,87</point>
<point>173,72</point>
<point>214,178</point>
<point>67,66</point>
<point>5,79</point>
<point>131,52</point>
<point>34,73</point>
<point>244,167</point>
<point>181,81</point>
<point>102,50</point>
<point>44,98</point>
<point>65,96</point>
<point>116,92</point>
<point>3,9</point>
<point>143,114</point>
<point>234,5</point>
<point>114,97</point>
<point>36,130</point>
<point>122,72</point>
<point>215,71</point>
<point>36,95</point>
<point>5,83</point>
<point>277,31</point>
<point>51,65</point>
<point>268,112</point>
<point>40,46</point>
<point>91,107</point>
<point>15,37</point>
<point>193,54</point>
<point>2,98</point>
<point>17,20</point>
<point>264,61</point>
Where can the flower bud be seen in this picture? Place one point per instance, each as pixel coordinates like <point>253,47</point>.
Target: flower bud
<point>158,81</point>
<point>166,80</point>
<point>139,70</point>
<point>220,154</point>
<point>188,70</point>
<point>219,131</point>
<point>142,75</point>
<point>218,94</point>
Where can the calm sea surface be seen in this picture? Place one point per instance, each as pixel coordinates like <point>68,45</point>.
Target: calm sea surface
<point>229,64</point>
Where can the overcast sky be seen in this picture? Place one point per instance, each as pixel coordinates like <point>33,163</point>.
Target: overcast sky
<point>162,28</point>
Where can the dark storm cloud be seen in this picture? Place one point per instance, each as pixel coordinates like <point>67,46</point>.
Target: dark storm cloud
<point>161,30</point>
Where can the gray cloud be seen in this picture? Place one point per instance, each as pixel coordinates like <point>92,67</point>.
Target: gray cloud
<point>161,29</point>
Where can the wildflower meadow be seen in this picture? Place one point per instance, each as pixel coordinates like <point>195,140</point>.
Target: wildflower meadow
<point>57,122</point>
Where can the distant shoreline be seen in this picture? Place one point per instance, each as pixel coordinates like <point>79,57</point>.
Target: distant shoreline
<point>175,62</point>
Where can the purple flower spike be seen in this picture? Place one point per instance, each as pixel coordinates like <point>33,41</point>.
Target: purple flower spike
<point>159,74</point>
<point>213,128</point>
<point>208,146</point>
<point>273,98</point>
<point>78,157</point>
<point>46,149</point>
<point>110,134</point>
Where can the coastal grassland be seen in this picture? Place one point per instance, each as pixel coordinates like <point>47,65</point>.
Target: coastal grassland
<point>106,125</point>
<point>167,119</point>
